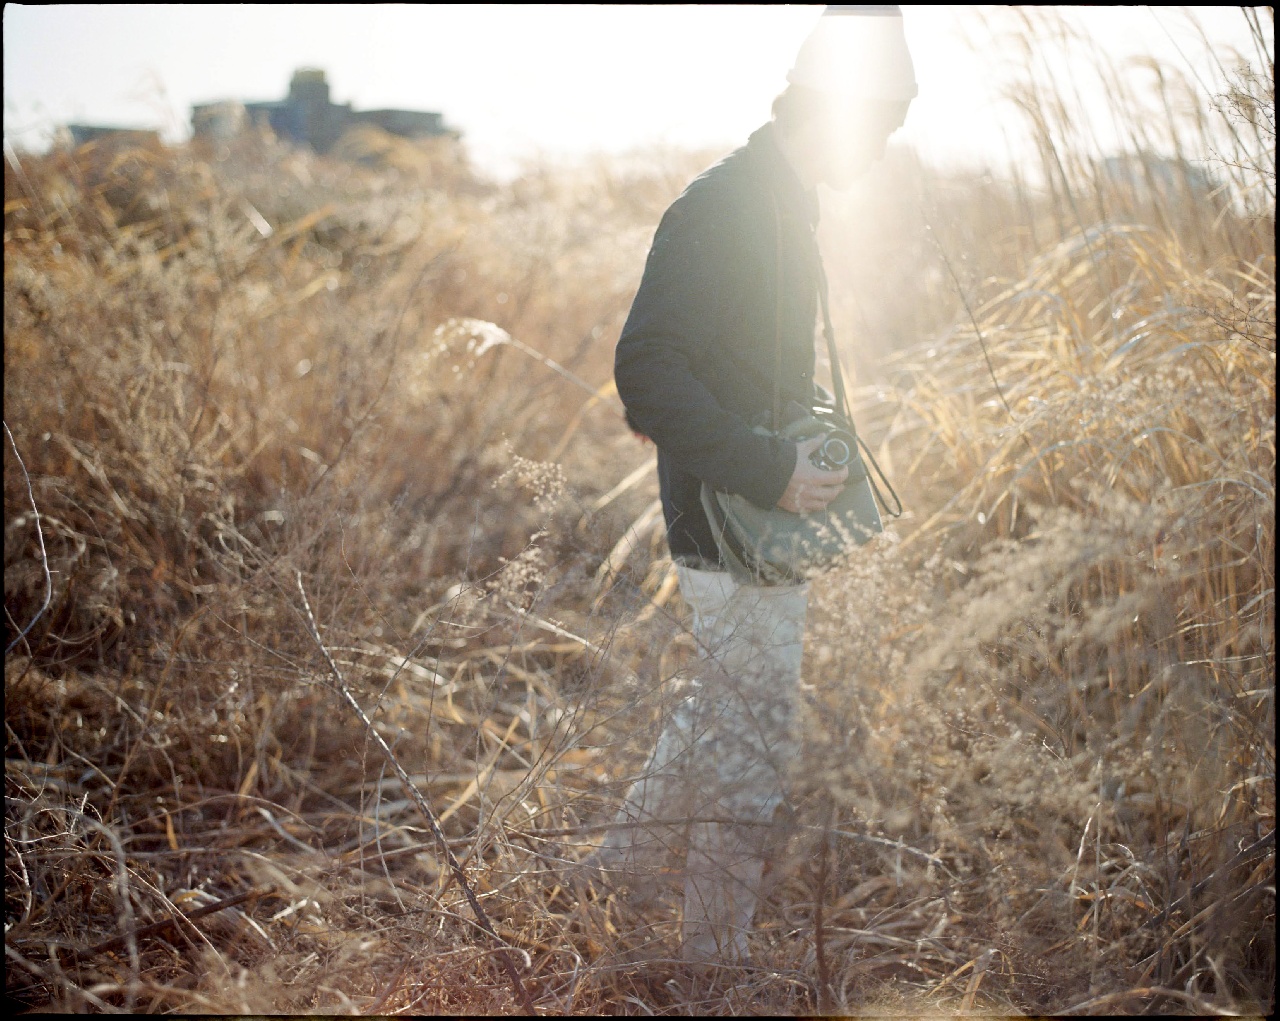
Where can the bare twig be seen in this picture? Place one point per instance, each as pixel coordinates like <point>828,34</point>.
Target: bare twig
<point>1245,857</point>
<point>390,989</point>
<point>1196,1005</point>
<point>44,556</point>
<point>977,330</point>
<point>819,921</point>
<point>55,979</point>
<point>420,802</point>
<point>155,928</point>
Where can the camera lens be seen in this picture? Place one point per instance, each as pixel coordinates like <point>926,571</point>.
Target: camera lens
<point>836,452</point>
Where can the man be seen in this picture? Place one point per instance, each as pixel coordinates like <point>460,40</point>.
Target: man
<point>722,324</point>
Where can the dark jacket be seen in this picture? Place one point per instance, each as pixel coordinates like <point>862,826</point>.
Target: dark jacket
<point>698,357</point>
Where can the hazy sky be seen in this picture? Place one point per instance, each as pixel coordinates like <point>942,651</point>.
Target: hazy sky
<point>563,79</point>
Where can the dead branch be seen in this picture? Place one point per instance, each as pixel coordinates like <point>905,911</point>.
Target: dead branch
<point>428,815</point>
<point>155,928</point>
<point>1245,857</point>
<point>44,557</point>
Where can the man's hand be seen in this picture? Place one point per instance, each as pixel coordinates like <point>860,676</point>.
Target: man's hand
<point>811,488</point>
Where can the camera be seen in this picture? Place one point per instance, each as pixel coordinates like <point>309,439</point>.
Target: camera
<point>836,451</point>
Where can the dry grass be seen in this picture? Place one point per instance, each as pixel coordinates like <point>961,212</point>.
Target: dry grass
<point>1039,772</point>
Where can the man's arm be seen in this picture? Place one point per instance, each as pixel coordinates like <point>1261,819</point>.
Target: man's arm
<point>693,279</point>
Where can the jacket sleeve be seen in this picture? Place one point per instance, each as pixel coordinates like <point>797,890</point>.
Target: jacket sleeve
<point>694,277</point>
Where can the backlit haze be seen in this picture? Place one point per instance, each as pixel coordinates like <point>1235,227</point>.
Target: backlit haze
<point>548,80</point>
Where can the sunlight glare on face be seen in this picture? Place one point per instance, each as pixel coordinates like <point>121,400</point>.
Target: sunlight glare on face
<point>856,134</point>
<point>856,57</point>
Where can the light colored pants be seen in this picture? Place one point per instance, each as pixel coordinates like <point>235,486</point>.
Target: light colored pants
<point>722,755</point>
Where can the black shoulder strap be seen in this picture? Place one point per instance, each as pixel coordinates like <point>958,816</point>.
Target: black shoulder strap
<point>777,314</point>
<point>837,381</point>
<point>837,374</point>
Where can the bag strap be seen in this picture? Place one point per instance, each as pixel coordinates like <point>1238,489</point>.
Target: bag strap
<point>837,373</point>
<point>777,314</point>
<point>842,403</point>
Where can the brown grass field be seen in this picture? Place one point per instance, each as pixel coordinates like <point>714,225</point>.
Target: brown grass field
<point>337,603</point>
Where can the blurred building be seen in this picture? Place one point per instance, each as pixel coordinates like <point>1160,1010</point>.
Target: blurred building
<point>1156,177</point>
<point>82,134</point>
<point>219,121</point>
<point>308,116</point>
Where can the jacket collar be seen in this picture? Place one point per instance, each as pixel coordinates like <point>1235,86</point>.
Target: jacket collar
<point>793,196</point>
